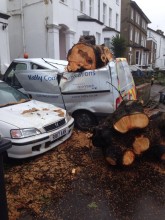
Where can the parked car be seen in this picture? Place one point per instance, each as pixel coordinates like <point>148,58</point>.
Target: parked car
<point>33,127</point>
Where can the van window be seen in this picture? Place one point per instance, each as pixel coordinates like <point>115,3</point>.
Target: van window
<point>10,77</point>
<point>124,74</point>
<point>35,66</point>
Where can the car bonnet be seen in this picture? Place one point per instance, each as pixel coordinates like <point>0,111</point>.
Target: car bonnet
<point>31,114</point>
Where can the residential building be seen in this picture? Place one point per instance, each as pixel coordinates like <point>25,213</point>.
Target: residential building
<point>49,28</point>
<point>156,45</point>
<point>4,41</point>
<point>152,46</point>
<point>134,29</point>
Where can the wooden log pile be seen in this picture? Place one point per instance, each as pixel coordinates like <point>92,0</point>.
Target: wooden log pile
<point>130,133</point>
<point>86,55</point>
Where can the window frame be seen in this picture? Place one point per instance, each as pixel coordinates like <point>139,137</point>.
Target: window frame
<point>104,13</point>
<point>91,8</point>
<point>82,6</point>
<point>110,17</point>
<point>117,18</point>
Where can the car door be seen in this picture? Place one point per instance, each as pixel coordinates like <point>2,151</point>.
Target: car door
<point>9,76</point>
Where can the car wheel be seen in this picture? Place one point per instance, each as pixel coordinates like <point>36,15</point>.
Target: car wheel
<point>84,120</point>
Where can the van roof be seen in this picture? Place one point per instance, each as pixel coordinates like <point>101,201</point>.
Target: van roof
<point>45,62</point>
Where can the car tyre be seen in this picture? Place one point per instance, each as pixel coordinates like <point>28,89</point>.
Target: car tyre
<point>84,120</point>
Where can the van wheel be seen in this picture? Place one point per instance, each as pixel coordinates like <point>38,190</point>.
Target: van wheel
<point>84,120</point>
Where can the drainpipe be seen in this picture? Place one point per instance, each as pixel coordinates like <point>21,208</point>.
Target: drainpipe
<point>23,27</point>
<point>99,10</point>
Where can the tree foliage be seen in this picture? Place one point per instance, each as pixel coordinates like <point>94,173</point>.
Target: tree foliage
<point>118,46</point>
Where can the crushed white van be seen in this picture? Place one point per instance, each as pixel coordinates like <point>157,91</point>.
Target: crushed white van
<point>86,95</point>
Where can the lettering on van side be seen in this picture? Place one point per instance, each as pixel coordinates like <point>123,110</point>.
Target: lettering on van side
<point>83,74</point>
<point>42,78</point>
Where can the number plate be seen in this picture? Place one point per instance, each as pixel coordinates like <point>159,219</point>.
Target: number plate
<point>58,134</point>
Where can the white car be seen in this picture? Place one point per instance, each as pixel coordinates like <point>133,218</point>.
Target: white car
<point>33,127</point>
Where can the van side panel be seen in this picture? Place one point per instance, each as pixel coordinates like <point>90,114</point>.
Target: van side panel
<point>88,90</point>
<point>42,85</point>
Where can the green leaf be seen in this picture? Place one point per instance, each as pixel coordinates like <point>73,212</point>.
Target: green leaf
<point>92,205</point>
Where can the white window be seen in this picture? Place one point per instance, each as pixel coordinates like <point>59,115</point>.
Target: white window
<point>144,25</point>
<point>104,13</point>
<point>85,33</point>
<point>107,42</point>
<point>137,37</point>
<point>117,2</point>
<point>132,13</point>
<point>110,17</point>
<point>143,41</point>
<point>131,33</point>
<point>117,20</point>
<point>137,18</point>
<point>98,38</point>
<point>82,6</point>
<point>91,8</point>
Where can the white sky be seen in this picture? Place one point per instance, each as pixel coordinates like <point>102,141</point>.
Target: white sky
<point>155,11</point>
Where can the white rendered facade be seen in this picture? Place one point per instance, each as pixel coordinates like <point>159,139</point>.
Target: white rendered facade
<point>4,41</point>
<point>49,28</point>
<point>159,38</point>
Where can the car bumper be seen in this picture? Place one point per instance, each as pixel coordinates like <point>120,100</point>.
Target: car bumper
<point>33,146</point>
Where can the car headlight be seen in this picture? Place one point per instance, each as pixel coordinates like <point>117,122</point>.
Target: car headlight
<point>23,133</point>
<point>68,117</point>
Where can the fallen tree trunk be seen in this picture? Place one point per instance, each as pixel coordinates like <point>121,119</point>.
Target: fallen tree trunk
<point>129,115</point>
<point>84,56</point>
<point>119,155</point>
<point>121,148</point>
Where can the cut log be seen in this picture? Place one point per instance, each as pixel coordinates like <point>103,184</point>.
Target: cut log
<point>129,115</point>
<point>128,158</point>
<point>80,57</point>
<point>141,144</point>
<point>83,56</point>
<point>119,155</point>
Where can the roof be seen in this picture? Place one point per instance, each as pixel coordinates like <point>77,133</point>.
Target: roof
<point>4,16</point>
<point>88,18</point>
<point>110,29</point>
<point>133,4</point>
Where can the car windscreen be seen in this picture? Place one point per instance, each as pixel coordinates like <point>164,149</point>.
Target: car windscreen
<point>9,95</point>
